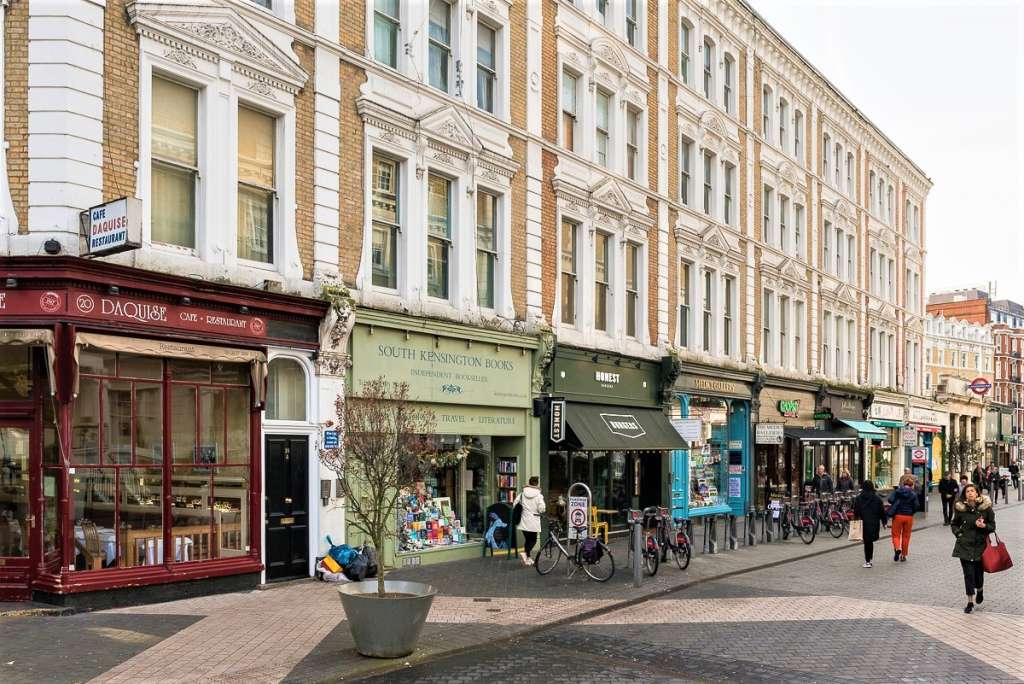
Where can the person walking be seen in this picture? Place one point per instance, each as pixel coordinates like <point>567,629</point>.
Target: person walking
<point>845,482</point>
<point>978,477</point>
<point>964,481</point>
<point>903,505</point>
<point>1015,474</point>
<point>532,502</point>
<point>869,509</point>
<point>973,522</point>
<point>948,491</point>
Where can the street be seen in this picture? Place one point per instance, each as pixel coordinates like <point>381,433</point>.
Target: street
<point>753,614</point>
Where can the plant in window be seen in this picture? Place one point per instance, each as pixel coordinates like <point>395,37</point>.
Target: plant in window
<point>385,450</point>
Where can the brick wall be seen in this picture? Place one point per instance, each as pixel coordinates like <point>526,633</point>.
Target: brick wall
<point>652,130</point>
<point>518,256</point>
<point>304,107</point>
<point>549,67</point>
<point>673,48</point>
<point>120,102</point>
<point>549,235</point>
<point>673,277</point>
<point>352,32</point>
<point>16,107</point>
<point>304,14</point>
<point>673,145</point>
<point>652,272</point>
<point>517,66</point>
<point>652,30</point>
<point>758,127</point>
<point>758,193</point>
<point>743,87</point>
<point>757,302</point>
<point>351,189</point>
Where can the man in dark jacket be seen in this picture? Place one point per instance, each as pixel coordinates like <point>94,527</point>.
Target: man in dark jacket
<point>1015,474</point>
<point>822,482</point>
<point>978,477</point>
<point>948,489</point>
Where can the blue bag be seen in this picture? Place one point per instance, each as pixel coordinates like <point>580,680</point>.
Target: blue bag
<point>343,554</point>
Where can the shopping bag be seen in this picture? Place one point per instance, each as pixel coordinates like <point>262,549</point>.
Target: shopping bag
<point>856,530</point>
<point>995,557</point>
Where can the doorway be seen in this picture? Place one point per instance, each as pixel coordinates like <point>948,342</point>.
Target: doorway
<point>286,469</point>
<point>17,524</point>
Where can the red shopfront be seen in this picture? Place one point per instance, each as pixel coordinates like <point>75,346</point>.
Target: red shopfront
<point>130,435</point>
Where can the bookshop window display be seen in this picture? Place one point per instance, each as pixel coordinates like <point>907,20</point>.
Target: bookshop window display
<point>449,508</point>
<point>708,457</point>
<point>125,461</point>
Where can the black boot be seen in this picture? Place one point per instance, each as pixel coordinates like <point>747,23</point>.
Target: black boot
<point>979,598</point>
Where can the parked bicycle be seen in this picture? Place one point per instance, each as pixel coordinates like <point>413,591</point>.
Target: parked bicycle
<point>650,551</point>
<point>672,538</point>
<point>588,553</point>
<point>831,517</point>
<point>796,517</point>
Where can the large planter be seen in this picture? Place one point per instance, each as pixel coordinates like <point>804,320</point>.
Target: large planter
<point>386,627</point>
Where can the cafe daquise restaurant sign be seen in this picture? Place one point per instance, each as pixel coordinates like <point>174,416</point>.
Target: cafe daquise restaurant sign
<point>446,370</point>
<point>128,309</point>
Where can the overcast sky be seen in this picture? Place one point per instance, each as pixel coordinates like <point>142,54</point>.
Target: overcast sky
<point>944,79</point>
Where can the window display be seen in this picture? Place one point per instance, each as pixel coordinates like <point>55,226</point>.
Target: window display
<point>709,455</point>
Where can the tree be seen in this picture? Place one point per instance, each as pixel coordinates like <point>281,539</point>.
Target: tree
<point>385,449</point>
<point>963,453</point>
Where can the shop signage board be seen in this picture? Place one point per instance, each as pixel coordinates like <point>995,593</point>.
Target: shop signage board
<point>623,424</point>
<point>557,420</point>
<point>578,514</point>
<point>452,419</point>
<point>330,439</point>
<point>980,386</point>
<point>927,416</point>
<point>113,227</point>
<point>611,379</point>
<point>440,369</point>
<point>688,428</point>
<point>735,445</point>
<point>735,470</point>
<point>701,384</point>
<point>882,411</point>
<point>910,436</point>
<point>769,433</point>
<point>32,302</point>
<point>844,408</point>
<point>789,408</point>
<point>823,415</point>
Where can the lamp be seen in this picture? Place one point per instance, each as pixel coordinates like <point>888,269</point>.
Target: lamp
<point>11,282</point>
<point>243,309</point>
<point>113,289</point>
<point>187,301</point>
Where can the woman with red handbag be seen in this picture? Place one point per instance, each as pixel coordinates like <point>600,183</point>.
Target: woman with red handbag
<point>972,523</point>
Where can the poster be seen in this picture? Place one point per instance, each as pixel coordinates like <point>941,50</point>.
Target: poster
<point>735,487</point>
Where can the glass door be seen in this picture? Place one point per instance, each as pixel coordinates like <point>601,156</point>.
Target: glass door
<point>17,524</point>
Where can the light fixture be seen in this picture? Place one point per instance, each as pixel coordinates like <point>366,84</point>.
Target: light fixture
<point>187,301</point>
<point>11,282</point>
<point>114,289</point>
<point>243,309</point>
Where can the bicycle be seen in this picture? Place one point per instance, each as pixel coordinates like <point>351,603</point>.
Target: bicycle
<point>650,552</point>
<point>795,518</point>
<point>672,537</point>
<point>599,567</point>
<point>832,518</point>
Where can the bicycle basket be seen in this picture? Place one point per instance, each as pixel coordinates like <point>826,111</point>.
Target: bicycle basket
<point>590,551</point>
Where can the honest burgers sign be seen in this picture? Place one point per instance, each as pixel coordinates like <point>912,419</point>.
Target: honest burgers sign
<point>623,424</point>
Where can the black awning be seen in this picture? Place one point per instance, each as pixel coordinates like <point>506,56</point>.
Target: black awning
<point>595,427</point>
<point>813,436</point>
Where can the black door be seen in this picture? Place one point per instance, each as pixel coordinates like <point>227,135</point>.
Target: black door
<point>287,503</point>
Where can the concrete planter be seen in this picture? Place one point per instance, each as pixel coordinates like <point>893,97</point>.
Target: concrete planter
<point>386,627</point>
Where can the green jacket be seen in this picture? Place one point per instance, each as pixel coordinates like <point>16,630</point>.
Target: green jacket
<point>970,539</point>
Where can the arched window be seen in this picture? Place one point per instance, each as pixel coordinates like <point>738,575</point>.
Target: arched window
<point>286,390</point>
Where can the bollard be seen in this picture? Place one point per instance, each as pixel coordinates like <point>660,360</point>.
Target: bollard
<point>713,535</point>
<point>769,525</point>
<point>751,529</point>
<point>734,542</point>
<point>638,532</point>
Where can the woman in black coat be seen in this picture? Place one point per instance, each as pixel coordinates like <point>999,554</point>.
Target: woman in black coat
<point>868,508</point>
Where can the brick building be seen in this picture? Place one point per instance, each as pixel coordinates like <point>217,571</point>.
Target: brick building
<point>471,196</point>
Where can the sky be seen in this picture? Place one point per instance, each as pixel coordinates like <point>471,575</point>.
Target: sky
<point>944,80</point>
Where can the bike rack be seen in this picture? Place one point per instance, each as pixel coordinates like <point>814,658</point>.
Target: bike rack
<point>570,529</point>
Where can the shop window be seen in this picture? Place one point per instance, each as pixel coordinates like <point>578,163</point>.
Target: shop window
<point>15,372</point>
<point>286,390</point>
<point>257,192</point>
<point>121,478</point>
<point>708,456</point>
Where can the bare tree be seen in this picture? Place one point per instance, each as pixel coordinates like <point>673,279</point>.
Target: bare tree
<point>385,449</point>
<point>963,453</point>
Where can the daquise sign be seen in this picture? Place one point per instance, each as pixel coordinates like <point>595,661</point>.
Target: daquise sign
<point>112,227</point>
<point>623,424</point>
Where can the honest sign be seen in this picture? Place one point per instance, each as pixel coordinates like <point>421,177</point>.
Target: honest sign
<point>113,227</point>
<point>623,424</point>
<point>557,420</point>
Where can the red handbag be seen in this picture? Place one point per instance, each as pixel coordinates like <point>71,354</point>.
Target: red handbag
<point>995,557</point>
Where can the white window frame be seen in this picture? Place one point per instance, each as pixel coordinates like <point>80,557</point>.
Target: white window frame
<point>767,113</point>
<point>708,68</point>
<point>728,84</point>
<point>686,33</point>
<point>685,323</point>
<point>687,162</point>
<point>798,134</point>
<point>575,113</point>
<point>767,214</point>
<point>767,327</point>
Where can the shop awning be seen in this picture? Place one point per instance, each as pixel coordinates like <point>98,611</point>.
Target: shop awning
<point>595,427</point>
<point>865,429</point>
<point>922,427</point>
<point>890,423</point>
<point>818,436</point>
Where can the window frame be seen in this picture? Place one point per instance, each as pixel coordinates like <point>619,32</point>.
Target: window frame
<point>708,48</point>
<point>276,224</point>
<point>569,120</point>
<point>728,176</point>
<point>446,48</point>
<point>602,136</point>
<point>494,252</point>
<point>634,143</point>
<point>633,261</point>
<point>686,148</point>
<point>728,91</point>
<point>396,24</point>
<point>195,171</point>
<point>685,303</point>
<point>708,310</point>
<point>603,287</point>
<point>491,73</point>
<point>685,51</point>
<point>395,229</point>
<point>569,279</point>
<point>447,240</point>
<point>708,168</point>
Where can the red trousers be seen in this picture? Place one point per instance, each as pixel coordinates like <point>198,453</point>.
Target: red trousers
<point>901,527</point>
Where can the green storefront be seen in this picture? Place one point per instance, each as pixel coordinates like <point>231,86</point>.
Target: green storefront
<point>478,384</point>
<point>617,438</point>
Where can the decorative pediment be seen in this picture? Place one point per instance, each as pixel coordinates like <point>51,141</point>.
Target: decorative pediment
<point>792,270</point>
<point>843,212</point>
<point>715,237</point>
<point>449,125</point>
<point>218,32</point>
<point>608,193</point>
<point>845,293</point>
<point>606,51</point>
<point>711,122</point>
<point>787,173</point>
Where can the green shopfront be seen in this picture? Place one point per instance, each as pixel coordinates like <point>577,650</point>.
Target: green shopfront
<point>617,438</point>
<point>477,383</point>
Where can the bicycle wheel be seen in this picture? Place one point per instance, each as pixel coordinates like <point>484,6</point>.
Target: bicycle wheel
<point>682,554</point>
<point>835,528</point>
<point>603,569</point>
<point>785,529</point>
<point>547,558</point>
<point>650,556</point>
<point>806,533</point>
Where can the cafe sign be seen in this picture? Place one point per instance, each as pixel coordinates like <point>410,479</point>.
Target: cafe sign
<point>789,408</point>
<point>115,226</point>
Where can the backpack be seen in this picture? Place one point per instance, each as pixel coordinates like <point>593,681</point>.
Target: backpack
<point>590,550</point>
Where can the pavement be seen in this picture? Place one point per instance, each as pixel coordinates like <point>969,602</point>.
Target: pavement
<point>772,612</point>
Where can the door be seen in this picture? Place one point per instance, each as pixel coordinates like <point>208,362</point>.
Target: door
<point>286,468</point>
<point>17,524</point>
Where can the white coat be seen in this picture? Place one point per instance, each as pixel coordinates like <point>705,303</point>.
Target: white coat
<point>533,505</point>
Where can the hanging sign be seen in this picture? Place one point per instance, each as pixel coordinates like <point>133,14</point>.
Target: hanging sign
<point>910,436</point>
<point>557,420</point>
<point>918,455</point>
<point>980,386</point>
<point>688,428</point>
<point>789,408</point>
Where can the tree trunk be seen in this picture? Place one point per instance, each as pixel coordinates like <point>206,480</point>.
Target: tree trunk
<point>379,543</point>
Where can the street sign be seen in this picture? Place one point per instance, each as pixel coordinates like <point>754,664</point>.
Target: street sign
<point>980,386</point>
<point>330,439</point>
<point>918,455</point>
<point>557,420</point>
<point>578,514</point>
<point>688,428</point>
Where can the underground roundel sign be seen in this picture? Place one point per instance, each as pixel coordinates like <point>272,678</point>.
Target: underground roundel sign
<point>623,424</point>
<point>980,386</point>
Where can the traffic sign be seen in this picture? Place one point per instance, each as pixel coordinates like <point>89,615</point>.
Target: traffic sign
<point>578,516</point>
<point>980,386</point>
